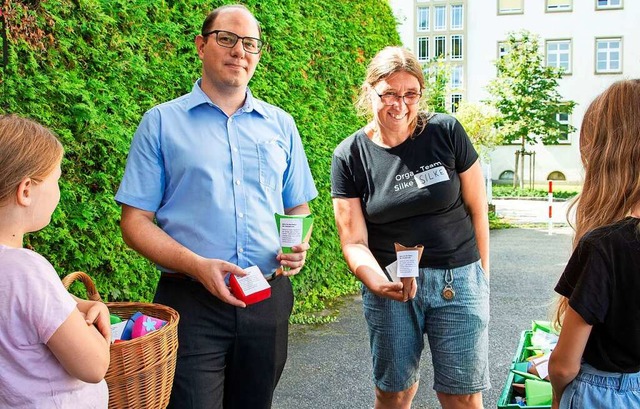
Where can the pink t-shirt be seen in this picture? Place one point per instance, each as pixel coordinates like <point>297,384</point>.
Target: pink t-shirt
<point>33,304</point>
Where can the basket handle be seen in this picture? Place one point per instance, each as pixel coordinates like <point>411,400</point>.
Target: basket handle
<point>92,292</point>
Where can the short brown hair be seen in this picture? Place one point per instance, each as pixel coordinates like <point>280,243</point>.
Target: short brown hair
<point>27,149</point>
<point>211,17</point>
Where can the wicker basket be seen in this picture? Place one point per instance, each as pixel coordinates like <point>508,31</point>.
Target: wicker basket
<point>140,373</point>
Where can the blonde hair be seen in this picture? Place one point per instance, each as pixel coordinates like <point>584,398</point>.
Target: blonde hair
<point>386,62</point>
<point>610,154</point>
<point>27,149</point>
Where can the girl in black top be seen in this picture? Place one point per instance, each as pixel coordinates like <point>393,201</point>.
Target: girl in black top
<point>596,363</point>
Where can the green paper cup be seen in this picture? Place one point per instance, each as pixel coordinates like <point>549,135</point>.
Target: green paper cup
<point>539,393</point>
<point>293,230</point>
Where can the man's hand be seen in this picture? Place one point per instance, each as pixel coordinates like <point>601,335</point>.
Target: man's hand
<point>212,273</point>
<point>295,261</point>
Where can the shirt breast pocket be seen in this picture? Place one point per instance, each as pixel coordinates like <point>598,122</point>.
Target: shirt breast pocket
<point>272,163</point>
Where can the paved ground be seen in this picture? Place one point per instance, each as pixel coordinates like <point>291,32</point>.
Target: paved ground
<point>532,211</point>
<point>329,366</point>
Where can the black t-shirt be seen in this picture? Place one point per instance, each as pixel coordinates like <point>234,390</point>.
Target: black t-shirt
<point>410,193</point>
<point>602,283</point>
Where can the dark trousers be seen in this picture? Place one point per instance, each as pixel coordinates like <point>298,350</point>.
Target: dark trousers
<point>228,357</point>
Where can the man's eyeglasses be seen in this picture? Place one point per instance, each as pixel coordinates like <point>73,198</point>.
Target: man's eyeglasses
<point>410,98</point>
<point>228,39</point>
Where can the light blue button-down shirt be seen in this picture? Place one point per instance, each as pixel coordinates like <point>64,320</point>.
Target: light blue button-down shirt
<point>214,181</point>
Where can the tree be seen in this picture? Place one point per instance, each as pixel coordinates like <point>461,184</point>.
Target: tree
<point>526,97</point>
<point>479,121</point>
<point>437,80</point>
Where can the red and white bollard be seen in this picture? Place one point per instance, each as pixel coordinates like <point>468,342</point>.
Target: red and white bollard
<point>550,196</point>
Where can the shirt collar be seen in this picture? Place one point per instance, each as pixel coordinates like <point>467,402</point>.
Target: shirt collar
<point>197,97</point>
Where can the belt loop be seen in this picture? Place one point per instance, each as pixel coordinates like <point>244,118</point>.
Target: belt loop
<point>624,382</point>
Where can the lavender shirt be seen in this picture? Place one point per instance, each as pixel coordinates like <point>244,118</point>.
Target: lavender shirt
<point>33,304</point>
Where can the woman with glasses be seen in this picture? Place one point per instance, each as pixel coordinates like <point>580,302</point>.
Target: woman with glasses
<point>413,177</point>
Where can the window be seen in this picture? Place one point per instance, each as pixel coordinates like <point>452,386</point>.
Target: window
<point>506,175</point>
<point>608,4</point>
<point>510,6</point>
<point>503,49</point>
<point>559,5</point>
<point>440,18</point>
<point>563,118</point>
<point>423,18</point>
<point>559,55</point>
<point>423,49</point>
<point>455,100</point>
<point>456,17</point>
<point>440,45</point>
<point>456,47</point>
<point>608,55</point>
<point>456,77</point>
<point>556,175</point>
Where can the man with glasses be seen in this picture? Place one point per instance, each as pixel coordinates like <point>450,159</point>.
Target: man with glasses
<point>204,177</point>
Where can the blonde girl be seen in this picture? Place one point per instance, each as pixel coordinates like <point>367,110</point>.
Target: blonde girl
<point>54,349</point>
<point>596,363</point>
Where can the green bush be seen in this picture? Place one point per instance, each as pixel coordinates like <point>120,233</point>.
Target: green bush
<point>499,191</point>
<point>89,69</point>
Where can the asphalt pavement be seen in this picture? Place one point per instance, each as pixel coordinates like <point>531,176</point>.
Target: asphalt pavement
<point>329,366</point>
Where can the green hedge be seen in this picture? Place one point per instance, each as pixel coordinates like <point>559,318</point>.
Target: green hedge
<point>89,69</point>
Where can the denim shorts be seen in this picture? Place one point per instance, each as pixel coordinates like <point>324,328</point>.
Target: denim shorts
<point>593,389</point>
<point>457,331</point>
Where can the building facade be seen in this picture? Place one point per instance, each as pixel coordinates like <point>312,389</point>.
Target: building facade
<point>596,42</point>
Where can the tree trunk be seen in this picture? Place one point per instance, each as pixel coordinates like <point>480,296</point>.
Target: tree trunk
<point>515,171</point>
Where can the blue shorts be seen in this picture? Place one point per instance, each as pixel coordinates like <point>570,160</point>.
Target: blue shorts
<point>593,389</point>
<point>457,331</point>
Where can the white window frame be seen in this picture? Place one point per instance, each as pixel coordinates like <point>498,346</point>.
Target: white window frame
<point>609,6</point>
<point>419,27</point>
<point>552,6</point>
<point>425,40</point>
<point>453,24</point>
<point>608,52</point>
<point>567,121</point>
<point>510,6</point>
<point>459,56</point>
<point>553,50</point>
<point>503,49</point>
<point>443,40</point>
<point>436,17</point>
<point>456,98</point>
<point>456,80</point>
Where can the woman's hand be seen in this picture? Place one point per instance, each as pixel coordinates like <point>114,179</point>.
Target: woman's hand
<point>401,292</point>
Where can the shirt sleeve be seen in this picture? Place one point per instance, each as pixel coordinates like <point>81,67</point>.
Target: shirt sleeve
<point>44,303</point>
<point>143,182</point>
<point>586,282</point>
<point>342,179</point>
<point>298,185</point>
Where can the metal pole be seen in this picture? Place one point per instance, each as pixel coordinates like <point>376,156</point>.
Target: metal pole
<point>550,196</point>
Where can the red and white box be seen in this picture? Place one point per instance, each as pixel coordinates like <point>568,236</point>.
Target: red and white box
<point>251,288</point>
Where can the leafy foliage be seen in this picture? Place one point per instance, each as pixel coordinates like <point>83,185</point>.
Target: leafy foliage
<point>508,191</point>
<point>437,74</point>
<point>525,93</point>
<point>479,121</point>
<point>89,69</point>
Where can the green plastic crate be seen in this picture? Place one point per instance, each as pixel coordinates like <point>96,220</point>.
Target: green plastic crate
<point>522,353</point>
